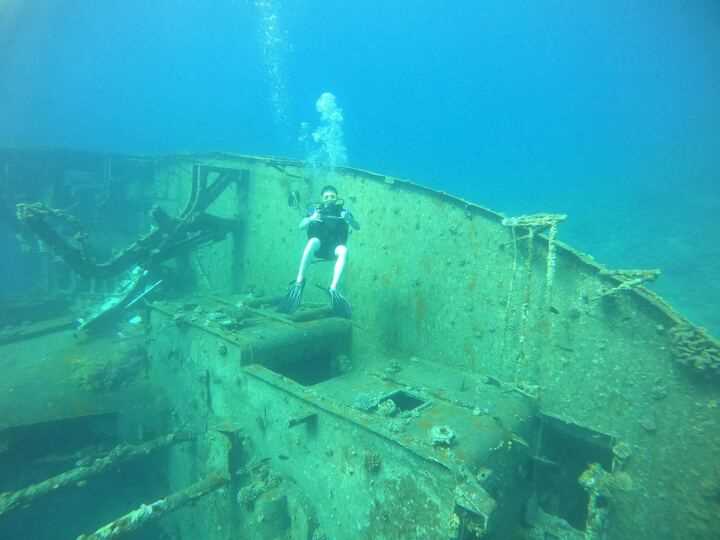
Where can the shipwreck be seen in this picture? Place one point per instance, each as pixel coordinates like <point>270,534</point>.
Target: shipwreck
<point>493,382</point>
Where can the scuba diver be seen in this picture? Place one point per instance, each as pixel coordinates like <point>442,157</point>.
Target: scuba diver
<point>327,225</point>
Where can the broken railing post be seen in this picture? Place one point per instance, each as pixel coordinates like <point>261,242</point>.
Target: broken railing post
<point>138,518</point>
<point>627,279</point>
<point>123,452</point>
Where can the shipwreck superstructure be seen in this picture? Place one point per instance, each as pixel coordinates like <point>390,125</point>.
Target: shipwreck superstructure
<point>492,383</point>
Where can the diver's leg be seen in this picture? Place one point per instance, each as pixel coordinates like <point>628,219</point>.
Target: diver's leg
<point>338,302</point>
<point>313,244</point>
<point>293,298</point>
<point>341,254</point>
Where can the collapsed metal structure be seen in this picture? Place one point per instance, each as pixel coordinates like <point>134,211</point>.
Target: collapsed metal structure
<point>170,236</point>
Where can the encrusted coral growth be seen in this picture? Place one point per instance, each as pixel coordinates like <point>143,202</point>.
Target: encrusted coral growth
<point>28,211</point>
<point>551,262</point>
<point>601,485</point>
<point>538,221</point>
<point>692,346</point>
<point>373,462</point>
<point>262,479</point>
<point>387,408</point>
<point>534,223</point>
<point>599,482</point>
<point>621,454</point>
<point>442,436</point>
<point>629,279</point>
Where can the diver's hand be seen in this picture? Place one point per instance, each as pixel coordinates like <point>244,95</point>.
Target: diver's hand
<point>350,219</point>
<point>312,218</point>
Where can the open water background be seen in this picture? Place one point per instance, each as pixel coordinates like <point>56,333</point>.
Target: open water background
<point>607,111</point>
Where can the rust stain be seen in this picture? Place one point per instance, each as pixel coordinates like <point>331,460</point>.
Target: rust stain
<point>469,353</point>
<point>472,282</point>
<point>420,311</point>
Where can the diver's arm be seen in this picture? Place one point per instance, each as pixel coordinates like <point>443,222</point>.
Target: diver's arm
<point>315,216</point>
<point>350,219</point>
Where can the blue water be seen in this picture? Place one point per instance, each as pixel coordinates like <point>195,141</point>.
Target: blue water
<point>608,111</point>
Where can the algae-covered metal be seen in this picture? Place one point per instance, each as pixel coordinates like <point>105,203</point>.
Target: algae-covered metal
<point>493,382</point>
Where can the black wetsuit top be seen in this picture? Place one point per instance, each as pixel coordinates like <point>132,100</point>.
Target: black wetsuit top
<point>332,231</point>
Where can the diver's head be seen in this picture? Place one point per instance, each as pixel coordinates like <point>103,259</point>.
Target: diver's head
<point>329,195</point>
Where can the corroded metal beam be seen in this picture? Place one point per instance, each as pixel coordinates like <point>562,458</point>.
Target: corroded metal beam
<point>140,517</point>
<point>23,497</point>
<point>167,239</point>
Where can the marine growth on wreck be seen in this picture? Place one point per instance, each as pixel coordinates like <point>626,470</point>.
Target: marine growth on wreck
<point>574,404</point>
<point>379,270</point>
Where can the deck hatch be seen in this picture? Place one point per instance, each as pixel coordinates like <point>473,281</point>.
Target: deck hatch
<point>405,401</point>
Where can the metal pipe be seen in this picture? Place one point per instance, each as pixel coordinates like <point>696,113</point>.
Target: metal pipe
<point>140,517</point>
<point>11,500</point>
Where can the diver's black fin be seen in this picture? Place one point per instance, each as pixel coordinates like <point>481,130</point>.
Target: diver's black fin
<point>293,298</point>
<point>339,304</point>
